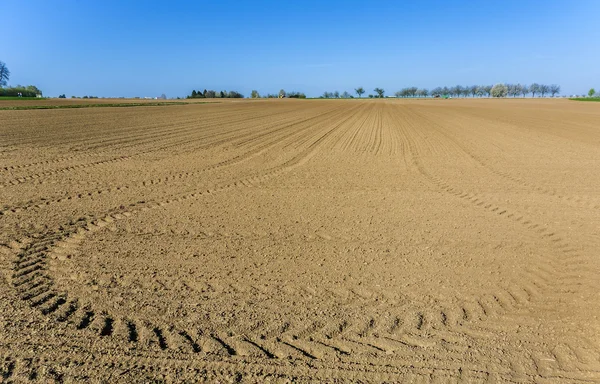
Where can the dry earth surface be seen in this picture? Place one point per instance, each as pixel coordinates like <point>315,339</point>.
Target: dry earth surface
<point>302,240</point>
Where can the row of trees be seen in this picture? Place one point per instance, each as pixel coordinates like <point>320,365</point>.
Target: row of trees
<point>282,93</point>
<point>210,94</point>
<point>501,90</point>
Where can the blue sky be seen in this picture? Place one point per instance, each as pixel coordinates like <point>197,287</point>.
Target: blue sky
<point>145,48</point>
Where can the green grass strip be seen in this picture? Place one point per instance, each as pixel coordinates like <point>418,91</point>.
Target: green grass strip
<point>585,98</point>
<point>21,98</point>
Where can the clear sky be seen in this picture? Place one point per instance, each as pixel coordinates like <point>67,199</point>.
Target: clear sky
<point>145,48</point>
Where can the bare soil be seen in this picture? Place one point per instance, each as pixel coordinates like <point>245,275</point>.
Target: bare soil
<point>302,240</point>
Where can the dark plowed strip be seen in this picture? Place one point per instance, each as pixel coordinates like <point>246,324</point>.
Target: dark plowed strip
<point>227,347</point>
<point>34,284</point>
<point>86,320</point>
<point>27,271</point>
<point>28,262</point>
<point>263,350</point>
<point>71,309</point>
<point>42,299</point>
<point>133,334</point>
<point>27,279</point>
<point>35,292</point>
<point>420,321</point>
<point>107,329</point>
<point>302,351</point>
<point>10,369</point>
<point>188,338</point>
<point>338,350</point>
<point>54,306</point>
<point>162,342</point>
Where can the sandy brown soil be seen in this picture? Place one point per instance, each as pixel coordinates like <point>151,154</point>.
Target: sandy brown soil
<point>302,240</point>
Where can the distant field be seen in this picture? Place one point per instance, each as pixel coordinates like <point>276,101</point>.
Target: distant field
<point>338,241</point>
<point>3,98</point>
<point>95,105</point>
<point>585,98</point>
<point>37,103</point>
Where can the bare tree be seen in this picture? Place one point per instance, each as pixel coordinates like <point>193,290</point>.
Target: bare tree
<point>456,90</point>
<point>359,91</point>
<point>514,89</point>
<point>379,92</point>
<point>4,74</point>
<point>544,89</point>
<point>554,89</point>
<point>398,94</point>
<point>487,89</point>
<point>534,88</point>
<point>437,91</point>
<point>473,90</point>
<point>524,90</point>
<point>422,92</point>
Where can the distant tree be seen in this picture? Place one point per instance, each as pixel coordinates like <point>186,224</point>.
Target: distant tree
<point>398,93</point>
<point>499,90</point>
<point>234,95</point>
<point>204,93</point>
<point>488,90</point>
<point>194,94</point>
<point>514,89</point>
<point>554,89</point>
<point>480,91</point>
<point>296,95</point>
<point>437,91</point>
<point>446,91</point>
<point>255,94</point>
<point>359,91</point>
<point>4,74</point>
<point>210,94</point>
<point>544,89</point>
<point>473,90</point>
<point>456,90</point>
<point>466,91</point>
<point>379,92</point>
<point>534,88</point>
<point>370,96</point>
<point>63,96</point>
<point>282,93</point>
<point>346,95</point>
<point>524,90</point>
<point>336,94</point>
<point>591,92</point>
<point>422,92</point>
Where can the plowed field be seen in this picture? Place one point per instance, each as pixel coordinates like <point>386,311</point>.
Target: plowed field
<point>303,240</point>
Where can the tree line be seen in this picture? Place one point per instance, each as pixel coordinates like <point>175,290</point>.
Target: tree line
<point>282,94</point>
<point>210,94</point>
<point>498,90</point>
